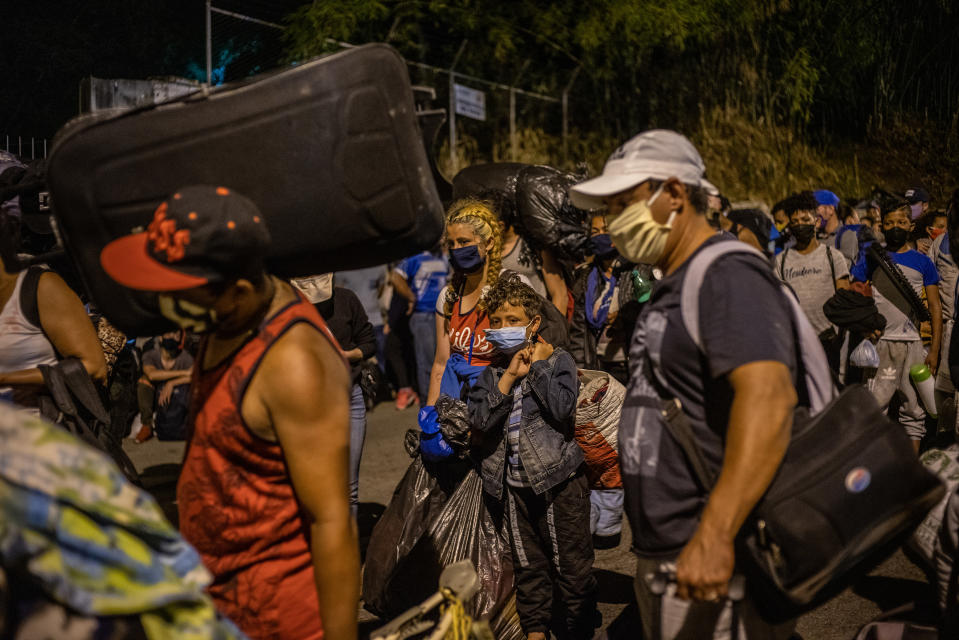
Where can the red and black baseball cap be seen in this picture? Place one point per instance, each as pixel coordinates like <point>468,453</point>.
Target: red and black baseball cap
<point>199,235</point>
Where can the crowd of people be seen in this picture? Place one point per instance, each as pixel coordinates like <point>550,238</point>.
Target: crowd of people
<point>271,380</point>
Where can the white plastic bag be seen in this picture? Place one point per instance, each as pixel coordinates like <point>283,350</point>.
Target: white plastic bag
<point>865,356</point>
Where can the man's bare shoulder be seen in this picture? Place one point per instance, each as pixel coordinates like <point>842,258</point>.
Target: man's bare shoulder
<point>303,355</point>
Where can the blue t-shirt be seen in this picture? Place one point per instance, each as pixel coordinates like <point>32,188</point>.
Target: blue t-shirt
<point>426,275</point>
<point>920,272</point>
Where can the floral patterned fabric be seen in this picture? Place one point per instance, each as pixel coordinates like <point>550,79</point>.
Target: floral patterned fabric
<point>93,542</point>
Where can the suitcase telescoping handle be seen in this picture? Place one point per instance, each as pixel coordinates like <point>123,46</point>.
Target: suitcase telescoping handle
<point>660,579</point>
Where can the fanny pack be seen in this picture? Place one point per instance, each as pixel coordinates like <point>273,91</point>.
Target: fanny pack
<point>849,490</point>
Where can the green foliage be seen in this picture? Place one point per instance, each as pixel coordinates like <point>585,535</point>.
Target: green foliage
<point>800,71</point>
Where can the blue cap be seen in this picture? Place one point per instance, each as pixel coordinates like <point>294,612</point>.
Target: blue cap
<point>824,196</point>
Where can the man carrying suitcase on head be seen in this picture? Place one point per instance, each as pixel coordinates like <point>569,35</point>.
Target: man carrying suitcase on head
<point>737,391</point>
<point>263,492</point>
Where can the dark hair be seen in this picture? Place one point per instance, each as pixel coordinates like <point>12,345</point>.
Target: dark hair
<point>801,201</point>
<point>891,205</point>
<point>253,271</point>
<point>845,212</point>
<point>779,206</point>
<point>511,289</point>
<point>503,205</point>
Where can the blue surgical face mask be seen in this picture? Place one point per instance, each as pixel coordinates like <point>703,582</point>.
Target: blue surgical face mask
<point>508,339</point>
<point>601,245</point>
<point>466,259</point>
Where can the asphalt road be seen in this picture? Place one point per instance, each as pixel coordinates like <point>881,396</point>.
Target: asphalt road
<point>894,583</point>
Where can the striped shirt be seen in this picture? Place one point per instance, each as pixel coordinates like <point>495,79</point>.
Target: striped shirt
<point>515,471</point>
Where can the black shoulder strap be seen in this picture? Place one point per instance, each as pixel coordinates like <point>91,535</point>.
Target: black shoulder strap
<point>28,295</point>
<point>832,267</point>
<point>82,387</point>
<point>678,425</point>
<point>782,265</point>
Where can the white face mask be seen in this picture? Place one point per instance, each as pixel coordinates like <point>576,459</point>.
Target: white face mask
<point>637,235</point>
<point>316,288</point>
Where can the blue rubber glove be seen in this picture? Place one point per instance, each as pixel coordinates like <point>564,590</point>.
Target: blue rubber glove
<point>432,445</point>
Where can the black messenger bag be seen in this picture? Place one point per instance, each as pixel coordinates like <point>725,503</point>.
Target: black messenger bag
<point>849,490</point>
<point>330,151</point>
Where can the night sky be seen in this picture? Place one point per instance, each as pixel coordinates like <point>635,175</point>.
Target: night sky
<point>48,46</point>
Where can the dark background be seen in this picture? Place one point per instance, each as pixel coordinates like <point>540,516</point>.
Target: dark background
<point>48,46</point>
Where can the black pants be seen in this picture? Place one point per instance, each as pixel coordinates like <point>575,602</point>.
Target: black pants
<point>551,545</point>
<point>400,355</point>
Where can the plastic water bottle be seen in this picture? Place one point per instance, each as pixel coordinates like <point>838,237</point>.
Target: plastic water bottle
<point>925,386</point>
<point>642,287</point>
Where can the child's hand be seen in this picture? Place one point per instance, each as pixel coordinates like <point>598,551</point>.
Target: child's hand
<point>519,365</point>
<point>542,351</point>
<point>517,369</point>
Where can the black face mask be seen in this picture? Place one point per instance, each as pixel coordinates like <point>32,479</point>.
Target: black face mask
<point>896,238</point>
<point>803,233</point>
<point>170,345</point>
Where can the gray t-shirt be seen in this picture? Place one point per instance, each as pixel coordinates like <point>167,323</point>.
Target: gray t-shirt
<point>523,260</point>
<point>941,257</point>
<point>811,278</point>
<point>154,358</point>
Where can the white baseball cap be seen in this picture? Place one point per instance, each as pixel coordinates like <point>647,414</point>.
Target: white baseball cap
<point>658,154</point>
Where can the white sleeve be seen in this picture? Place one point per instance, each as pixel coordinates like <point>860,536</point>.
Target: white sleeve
<point>441,300</point>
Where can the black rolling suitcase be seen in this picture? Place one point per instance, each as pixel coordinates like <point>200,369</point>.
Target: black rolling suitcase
<point>330,151</point>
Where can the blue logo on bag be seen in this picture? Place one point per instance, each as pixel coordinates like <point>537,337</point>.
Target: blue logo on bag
<point>857,480</point>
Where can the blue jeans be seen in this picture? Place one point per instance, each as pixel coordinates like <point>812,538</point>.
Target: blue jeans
<point>357,436</point>
<point>423,328</point>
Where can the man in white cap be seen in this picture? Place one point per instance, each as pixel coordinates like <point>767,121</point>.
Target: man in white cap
<point>736,388</point>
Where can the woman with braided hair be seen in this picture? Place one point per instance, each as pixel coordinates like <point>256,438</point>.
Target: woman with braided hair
<point>474,239</point>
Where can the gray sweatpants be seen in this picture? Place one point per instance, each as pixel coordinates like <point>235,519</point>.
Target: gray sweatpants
<point>895,359</point>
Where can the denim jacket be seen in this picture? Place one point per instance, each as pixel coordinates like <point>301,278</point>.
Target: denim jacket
<point>547,448</point>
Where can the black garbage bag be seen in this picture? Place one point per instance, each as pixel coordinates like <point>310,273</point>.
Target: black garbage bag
<point>390,571</point>
<point>538,204</point>
<point>547,215</point>
<point>454,421</point>
<point>470,527</point>
<point>406,556</point>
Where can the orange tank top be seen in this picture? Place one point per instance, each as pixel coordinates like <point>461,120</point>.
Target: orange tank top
<point>468,337</point>
<point>236,501</point>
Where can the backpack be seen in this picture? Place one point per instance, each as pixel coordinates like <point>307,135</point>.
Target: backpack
<point>72,402</point>
<point>849,486</point>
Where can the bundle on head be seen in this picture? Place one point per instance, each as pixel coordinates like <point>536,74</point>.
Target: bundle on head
<point>481,216</point>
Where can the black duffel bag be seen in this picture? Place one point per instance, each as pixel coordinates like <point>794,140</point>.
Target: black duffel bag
<point>849,490</point>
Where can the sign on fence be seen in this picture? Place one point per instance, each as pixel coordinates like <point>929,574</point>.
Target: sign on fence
<point>470,102</point>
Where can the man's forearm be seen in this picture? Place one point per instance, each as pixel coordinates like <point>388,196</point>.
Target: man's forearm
<point>336,567</point>
<point>162,375</point>
<point>760,423</point>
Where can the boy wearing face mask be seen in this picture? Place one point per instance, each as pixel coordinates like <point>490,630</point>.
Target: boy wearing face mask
<point>525,404</point>
<point>901,345</point>
<point>167,370</point>
<point>814,270</point>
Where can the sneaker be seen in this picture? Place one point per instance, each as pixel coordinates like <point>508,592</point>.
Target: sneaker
<point>404,398</point>
<point>144,434</point>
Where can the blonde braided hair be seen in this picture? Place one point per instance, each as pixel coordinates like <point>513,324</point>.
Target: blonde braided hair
<point>482,218</point>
